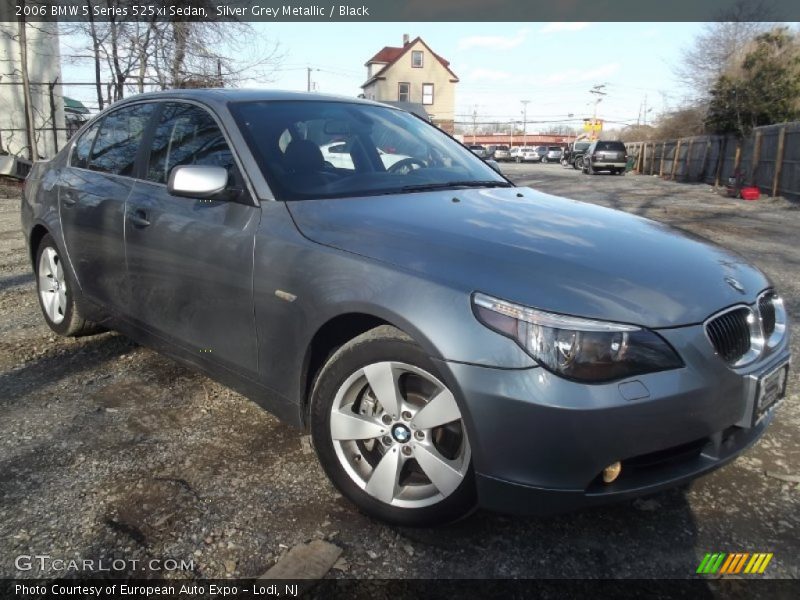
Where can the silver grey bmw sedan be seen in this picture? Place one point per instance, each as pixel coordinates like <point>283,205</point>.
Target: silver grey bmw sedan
<point>449,339</point>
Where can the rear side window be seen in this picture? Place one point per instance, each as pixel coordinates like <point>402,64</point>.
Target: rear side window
<point>117,142</point>
<point>81,149</point>
<point>186,135</point>
<point>614,146</point>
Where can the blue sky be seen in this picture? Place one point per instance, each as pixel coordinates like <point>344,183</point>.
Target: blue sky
<point>553,65</point>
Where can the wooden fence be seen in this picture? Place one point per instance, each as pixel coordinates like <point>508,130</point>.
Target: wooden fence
<point>769,158</point>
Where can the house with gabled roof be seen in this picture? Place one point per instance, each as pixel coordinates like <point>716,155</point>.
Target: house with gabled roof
<point>413,73</point>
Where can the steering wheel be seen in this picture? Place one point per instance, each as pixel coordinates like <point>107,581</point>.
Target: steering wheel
<point>406,165</point>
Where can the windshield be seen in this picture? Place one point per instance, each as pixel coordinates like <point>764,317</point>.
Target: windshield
<point>310,149</point>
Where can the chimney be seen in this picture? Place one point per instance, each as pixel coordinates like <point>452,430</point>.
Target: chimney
<point>405,40</point>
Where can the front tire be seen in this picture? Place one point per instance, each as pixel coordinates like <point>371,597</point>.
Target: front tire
<point>57,292</point>
<point>389,433</point>
<point>578,164</point>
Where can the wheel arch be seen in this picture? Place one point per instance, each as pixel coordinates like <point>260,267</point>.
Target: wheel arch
<point>34,239</point>
<point>337,331</point>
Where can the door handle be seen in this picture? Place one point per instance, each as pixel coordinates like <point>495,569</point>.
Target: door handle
<point>139,218</point>
<point>70,199</point>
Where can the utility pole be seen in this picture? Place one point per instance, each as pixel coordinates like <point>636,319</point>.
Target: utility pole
<point>598,93</point>
<point>474,123</point>
<point>525,121</point>
<point>308,84</point>
<point>644,111</point>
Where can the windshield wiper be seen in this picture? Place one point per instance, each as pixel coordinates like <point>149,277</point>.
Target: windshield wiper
<point>424,187</point>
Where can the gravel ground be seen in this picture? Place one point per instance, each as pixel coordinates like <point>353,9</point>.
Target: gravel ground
<point>108,450</point>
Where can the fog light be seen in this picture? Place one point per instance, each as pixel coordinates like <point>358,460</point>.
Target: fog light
<point>611,472</point>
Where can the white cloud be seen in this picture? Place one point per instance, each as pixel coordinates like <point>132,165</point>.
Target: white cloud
<point>494,42</point>
<point>480,74</point>
<point>561,27</point>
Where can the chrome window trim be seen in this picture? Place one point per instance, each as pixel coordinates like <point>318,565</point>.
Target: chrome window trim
<point>254,199</point>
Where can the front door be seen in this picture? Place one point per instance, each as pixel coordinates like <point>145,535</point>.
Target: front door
<point>190,261</point>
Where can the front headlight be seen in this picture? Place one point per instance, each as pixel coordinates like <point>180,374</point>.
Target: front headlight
<point>577,348</point>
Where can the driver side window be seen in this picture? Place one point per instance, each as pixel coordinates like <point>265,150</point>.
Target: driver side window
<point>186,135</point>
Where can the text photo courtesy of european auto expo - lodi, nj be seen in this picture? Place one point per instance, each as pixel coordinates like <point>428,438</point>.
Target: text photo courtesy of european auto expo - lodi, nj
<point>415,299</point>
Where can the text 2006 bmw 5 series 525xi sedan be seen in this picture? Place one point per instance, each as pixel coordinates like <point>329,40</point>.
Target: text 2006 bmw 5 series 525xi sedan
<point>449,339</point>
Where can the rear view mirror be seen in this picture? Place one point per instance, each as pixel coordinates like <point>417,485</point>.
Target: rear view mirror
<point>197,181</point>
<point>337,127</point>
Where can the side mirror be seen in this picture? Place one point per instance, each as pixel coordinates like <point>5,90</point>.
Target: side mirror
<point>494,164</point>
<point>197,181</point>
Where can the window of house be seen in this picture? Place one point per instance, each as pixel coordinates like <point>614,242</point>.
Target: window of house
<point>416,58</point>
<point>404,92</point>
<point>114,151</point>
<point>427,93</point>
<point>186,135</point>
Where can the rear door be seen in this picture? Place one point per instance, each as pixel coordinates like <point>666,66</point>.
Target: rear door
<point>92,191</point>
<point>190,261</point>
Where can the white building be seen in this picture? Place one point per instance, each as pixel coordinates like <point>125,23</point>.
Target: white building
<point>44,68</point>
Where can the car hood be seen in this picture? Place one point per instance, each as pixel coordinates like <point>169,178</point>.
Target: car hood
<point>541,251</point>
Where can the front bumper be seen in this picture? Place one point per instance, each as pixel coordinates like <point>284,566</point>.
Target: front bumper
<point>540,442</point>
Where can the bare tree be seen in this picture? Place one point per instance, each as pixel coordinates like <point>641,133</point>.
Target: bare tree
<point>132,55</point>
<point>722,45</point>
<point>26,89</point>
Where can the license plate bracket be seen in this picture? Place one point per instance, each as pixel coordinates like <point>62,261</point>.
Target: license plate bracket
<point>770,390</point>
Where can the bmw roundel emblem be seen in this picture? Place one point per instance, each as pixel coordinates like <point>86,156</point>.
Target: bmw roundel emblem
<point>735,284</point>
<point>401,433</point>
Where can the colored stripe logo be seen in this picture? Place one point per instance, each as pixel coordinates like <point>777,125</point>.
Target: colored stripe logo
<point>734,563</point>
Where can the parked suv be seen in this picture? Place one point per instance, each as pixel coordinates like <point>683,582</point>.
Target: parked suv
<point>502,153</point>
<point>448,339</point>
<point>552,154</point>
<point>479,151</point>
<point>525,154</point>
<point>574,154</point>
<point>605,156</point>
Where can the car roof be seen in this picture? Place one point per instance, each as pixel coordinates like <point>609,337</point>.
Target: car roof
<point>226,95</point>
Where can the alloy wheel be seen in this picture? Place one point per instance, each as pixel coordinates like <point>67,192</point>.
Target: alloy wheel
<point>398,433</point>
<point>52,285</point>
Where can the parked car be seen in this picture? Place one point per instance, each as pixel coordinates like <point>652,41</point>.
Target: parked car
<point>605,156</point>
<point>574,154</point>
<point>502,153</point>
<point>549,153</point>
<point>337,154</point>
<point>479,151</point>
<point>450,340</point>
<point>525,154</point>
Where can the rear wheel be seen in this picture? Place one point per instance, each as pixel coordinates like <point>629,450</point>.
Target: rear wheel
<point>544,160</point>
<point>57,293</point>
<point>390,434</point>
<point>578,164</point>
